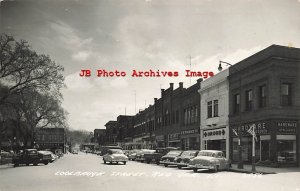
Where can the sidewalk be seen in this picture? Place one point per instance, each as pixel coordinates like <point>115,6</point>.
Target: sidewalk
<point>3,166</point>
<point>264,169</point>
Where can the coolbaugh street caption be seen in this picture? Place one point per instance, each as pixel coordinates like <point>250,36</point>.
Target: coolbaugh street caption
<point>147,73</point>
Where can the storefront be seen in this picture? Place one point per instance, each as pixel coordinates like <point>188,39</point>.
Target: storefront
<point>160,141</point>
<point>174,140</point>
<point>276,142</point>
<point>216,139</point>
<point>190,139</point>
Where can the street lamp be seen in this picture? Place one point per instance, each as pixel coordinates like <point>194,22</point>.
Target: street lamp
<point>220,65</point>
<point>240,162</point>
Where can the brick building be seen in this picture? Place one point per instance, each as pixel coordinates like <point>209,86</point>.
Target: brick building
<point>264,90</point>
<point>50,138</point>
<point>100,136</point>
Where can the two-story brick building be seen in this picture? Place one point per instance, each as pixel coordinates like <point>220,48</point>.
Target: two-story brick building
<point>264,90</point>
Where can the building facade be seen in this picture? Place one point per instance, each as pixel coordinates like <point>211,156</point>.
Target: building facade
<point>214,125</point>
<point>264,91</point>
<point>50,139</point>
<point>190,118</point>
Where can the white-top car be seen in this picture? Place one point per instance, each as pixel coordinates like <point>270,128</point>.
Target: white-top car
<point>115,155</point>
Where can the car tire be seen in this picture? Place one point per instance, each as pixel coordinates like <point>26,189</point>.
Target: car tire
<point>45,163</point>
<point>216,169</point>
<point>157,162</point>
<point>16,165</point>
<point>148,162</point>
<point>179,167</point>
<point>195,169</point>
<point>110,162</point>
<point>27,164</point>
<point>166,165</point>
<point>35,164</point>
<point>124,162</point>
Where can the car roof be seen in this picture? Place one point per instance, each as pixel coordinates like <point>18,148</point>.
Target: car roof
<point>211,151</point>
<point>115,149</point>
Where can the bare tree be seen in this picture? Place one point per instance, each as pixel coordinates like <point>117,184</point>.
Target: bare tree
<point>22,68</point>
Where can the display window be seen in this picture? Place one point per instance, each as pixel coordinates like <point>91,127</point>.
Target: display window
<point>286,148</point>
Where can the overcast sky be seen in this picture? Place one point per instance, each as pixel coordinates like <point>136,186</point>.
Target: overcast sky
<point>142,35</point>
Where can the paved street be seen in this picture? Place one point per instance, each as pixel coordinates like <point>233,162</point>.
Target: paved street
<point>87,172</point>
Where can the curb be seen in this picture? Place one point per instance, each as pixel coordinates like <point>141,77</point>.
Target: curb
<point>249,171</point>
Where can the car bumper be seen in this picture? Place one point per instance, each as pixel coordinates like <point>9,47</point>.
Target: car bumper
<point>119,160</point>
<point>167,162</point>
<point>200,166</point>
<point>182,164</point>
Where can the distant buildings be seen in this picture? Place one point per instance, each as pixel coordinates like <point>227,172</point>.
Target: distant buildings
<point>50,139</point>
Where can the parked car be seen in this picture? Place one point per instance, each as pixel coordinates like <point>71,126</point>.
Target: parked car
<point>6,157</point>
<point>210,159</point>
<point>115,155</point>
<point>184,159</point>
<point>104,149</point>
<point>159,152</point>
<point>132,154</point>
<point>140,155</point>
<point>168,159</point>
<point>74,152</point>
<point>47,156</point>
<point>29,156</point>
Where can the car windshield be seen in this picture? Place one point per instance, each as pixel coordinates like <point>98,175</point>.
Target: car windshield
<point>117,152</point>
<point>206,153</point>
<point>188,153</point>
<point>174,152</point>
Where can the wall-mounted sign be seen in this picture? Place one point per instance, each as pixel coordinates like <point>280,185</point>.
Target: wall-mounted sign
<point>160,138</point>
<point>261,128</point>
<point>286,127</point>
<point>188,132</point>
<point>174,137</point>
<point>215,134</point>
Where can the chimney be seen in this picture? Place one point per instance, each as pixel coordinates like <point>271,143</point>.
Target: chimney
<point>171,85</point>
<point>162,92</point>
<point>155,100</point>
<point>181,84</point>
<point>199,82</point>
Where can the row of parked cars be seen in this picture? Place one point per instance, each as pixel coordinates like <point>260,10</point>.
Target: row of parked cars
<point>194,159</point>
<point>30,156</point>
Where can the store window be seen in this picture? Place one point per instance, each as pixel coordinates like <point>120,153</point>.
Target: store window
<point>286,96</point>
<point>286,148</point>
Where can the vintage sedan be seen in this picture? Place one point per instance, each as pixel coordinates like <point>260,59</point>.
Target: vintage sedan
<point>168,159</point>
<point>210,159</point>
<point>115,155</point>
<point>184,159</point>
<point>30,156</point>
<point>47,156</point>
<point>140,155</point>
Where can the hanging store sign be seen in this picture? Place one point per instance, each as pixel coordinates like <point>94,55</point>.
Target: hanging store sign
<point>215,134</point>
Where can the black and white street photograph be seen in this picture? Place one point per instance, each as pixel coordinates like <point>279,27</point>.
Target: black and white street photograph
<point>149,95</point>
